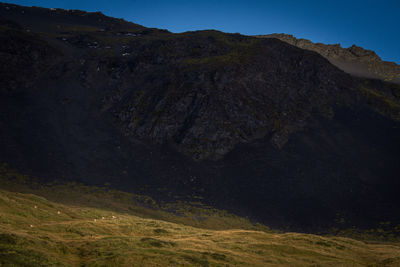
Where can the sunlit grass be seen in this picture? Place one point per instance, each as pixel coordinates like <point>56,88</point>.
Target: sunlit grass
<point>35,232</point>
<point>73,225</point>
<point>182,212</point>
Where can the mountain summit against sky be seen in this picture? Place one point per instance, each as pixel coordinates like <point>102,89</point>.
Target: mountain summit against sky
<point>254,125</point>
<point>354,60</point>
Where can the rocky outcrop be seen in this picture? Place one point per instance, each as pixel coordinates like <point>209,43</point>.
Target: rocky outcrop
<point>354,60</point>
<point>24,57</point>
<point>200,92</point>
<point>206,105</point>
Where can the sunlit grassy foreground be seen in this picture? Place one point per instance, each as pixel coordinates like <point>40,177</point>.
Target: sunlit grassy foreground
<point>36,232</point>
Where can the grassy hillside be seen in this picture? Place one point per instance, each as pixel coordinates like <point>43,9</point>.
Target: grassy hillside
<point>37,232</point>
<point>188,212</point>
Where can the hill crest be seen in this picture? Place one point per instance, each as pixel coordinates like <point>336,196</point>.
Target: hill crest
<point>354,59</point>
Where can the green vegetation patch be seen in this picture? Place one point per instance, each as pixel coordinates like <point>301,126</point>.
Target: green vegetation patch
<point>386,103</point>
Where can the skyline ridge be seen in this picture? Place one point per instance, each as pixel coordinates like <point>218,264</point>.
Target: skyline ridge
<point>366,24</point>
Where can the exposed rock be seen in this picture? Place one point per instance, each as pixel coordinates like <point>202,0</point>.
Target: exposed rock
<point>24,58</point>
<point>354,60</point>
<point>207,106</point>
<point>201,92</point>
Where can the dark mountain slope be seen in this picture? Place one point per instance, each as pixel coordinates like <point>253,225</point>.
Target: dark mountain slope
<point>354,60</point>
<point>37,19</point>
<point>257,126</point>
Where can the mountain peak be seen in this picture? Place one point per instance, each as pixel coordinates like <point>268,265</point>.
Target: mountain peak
<point>354,60</point>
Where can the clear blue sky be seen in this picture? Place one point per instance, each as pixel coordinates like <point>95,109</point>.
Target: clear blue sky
<point>372,24</point>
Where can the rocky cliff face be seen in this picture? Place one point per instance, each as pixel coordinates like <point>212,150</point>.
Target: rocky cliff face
<point>227,93</point>
<point>202,92</point>
<point>256,125</point>
<point>354,60</point>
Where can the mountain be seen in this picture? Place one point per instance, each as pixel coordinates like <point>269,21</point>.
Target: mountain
<point>354,60</point>
<point>256,126</point>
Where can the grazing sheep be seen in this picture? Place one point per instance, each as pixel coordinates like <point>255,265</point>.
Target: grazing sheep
<point>58,212</point>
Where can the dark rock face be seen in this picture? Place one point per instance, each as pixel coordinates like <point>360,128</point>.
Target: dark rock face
<point>353,53</point>
<point>232,89</point>
<point>257,126</point>
<point>354,60</point>
<point>24,57</point>
<point>206,106</point>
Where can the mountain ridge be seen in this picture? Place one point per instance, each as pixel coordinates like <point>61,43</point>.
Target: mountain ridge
<point>354,59</point>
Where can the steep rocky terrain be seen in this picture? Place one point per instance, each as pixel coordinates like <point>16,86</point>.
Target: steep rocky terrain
<point>255,125</point>
<point>354,60</point>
